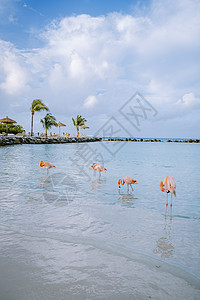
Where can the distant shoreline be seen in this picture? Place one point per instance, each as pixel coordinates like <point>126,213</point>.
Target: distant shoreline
<point>13,140</point>
<point>152,140</point>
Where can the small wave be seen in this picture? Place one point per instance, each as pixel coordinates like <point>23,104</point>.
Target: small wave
<point>114,249</point>
<point>186,217</point>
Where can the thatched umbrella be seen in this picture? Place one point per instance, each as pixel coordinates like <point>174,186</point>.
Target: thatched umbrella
<point>7,121</point>
<point>59,124</point>
<point>84,127</point>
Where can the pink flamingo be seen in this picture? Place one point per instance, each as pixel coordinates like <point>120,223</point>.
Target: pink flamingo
<point>128,180</point>
<point>46,165</point>
<point>168,185</point>
<point>98,168</point>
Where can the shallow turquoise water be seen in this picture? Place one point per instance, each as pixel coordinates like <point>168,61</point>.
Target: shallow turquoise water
<point>72,206</point>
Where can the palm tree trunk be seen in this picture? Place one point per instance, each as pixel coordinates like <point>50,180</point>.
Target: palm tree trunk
<point>32,123</point>
<point>46,132</point>
<point>77,131</point>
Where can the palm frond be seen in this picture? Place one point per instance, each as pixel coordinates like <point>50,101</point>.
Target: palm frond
<point>38,105</point>
<point>74,121</point>
<point>48,121</point>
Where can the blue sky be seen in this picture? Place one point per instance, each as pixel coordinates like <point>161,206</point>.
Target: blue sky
<point>21,20</point>
<point>89,57</point>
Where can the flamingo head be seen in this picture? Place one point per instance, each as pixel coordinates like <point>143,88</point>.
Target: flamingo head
<point>41,163</point>
<point>135,182</point>
<point>174,192</point>
<point>93,165</point>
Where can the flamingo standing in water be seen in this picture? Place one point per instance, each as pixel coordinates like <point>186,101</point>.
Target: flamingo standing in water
<point>46,165</point>
<point>128,180</point>
<point>98,168</point>
<point>168,185</point>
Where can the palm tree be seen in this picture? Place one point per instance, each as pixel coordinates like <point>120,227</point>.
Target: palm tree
<point>37,105</point>
<point>48,121</point>
<point>79,121</point>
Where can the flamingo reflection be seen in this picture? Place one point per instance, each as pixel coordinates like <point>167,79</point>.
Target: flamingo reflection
<point>164,245</point>
<point>127,200</point>
<point>97,183</point>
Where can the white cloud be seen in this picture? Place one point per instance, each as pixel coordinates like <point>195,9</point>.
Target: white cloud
<point>13,73</point>
<point>156,53</point>
<point>90,101</point>
<point>189,102</point>
<point>77,69</point>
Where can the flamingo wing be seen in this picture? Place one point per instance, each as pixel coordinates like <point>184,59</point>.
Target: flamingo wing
<point>47,165</point>
<point>102,168</point>
<point>99,168</point>
<point>128,179</point>
<point>169,183</point>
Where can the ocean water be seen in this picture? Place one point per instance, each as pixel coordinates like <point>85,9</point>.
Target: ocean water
<point>72,235</point>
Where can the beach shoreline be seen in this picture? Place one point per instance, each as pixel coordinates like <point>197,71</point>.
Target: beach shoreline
<point>152,278</point>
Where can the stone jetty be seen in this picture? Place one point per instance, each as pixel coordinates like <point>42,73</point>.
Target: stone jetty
<point>13,140</point>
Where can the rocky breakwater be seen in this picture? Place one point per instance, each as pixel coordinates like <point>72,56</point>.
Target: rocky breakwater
<point>149,140</point>
<point>130,140</point>
<point>13,140</point>
<point>183,141</point>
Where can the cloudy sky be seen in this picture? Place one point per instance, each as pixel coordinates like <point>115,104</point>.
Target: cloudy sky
<point>90,57</point>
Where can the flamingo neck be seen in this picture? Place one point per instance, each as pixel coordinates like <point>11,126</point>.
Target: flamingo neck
<point>162,186</point>
<point>94,165</point>
<point>120,182</point>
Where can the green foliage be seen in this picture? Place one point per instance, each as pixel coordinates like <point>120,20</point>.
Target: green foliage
<point>79,121</point>
<point>11,128</point>
<point>38,105</point>
<point>48,121</point>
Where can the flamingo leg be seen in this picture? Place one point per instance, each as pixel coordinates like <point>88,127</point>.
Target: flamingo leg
<point>166,211</point>
<point>131,187</point>
<point>167,200</point>
<point>171,201</point>
<point>170,214</point>
<point>47,171</point>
